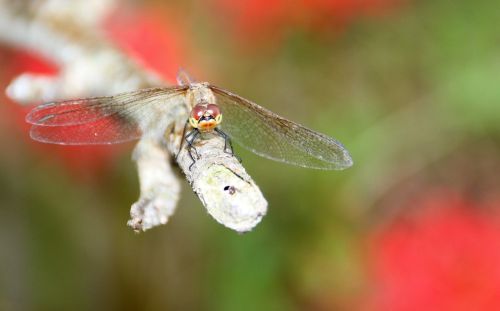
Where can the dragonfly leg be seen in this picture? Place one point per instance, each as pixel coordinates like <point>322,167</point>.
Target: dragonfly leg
<point>184,136</point>
<point>190,137</point>
<point>227,141</point>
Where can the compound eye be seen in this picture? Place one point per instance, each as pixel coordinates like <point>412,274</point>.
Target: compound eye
<point>197,112</point>
<point>213,110</point>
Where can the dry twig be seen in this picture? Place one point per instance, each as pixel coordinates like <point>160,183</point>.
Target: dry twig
<point>68,34</point>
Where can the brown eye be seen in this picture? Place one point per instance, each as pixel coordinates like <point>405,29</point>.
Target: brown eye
<point>197,112</point>
<point>213,110</point>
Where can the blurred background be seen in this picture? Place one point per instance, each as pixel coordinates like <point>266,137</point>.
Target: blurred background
<point>412,88</point>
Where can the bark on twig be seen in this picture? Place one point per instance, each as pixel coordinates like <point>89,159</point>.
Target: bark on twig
<point>226,190</point>
<point>90,65</point>
<point>160,187</point>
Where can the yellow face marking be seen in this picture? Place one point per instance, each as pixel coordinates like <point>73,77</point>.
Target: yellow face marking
<point>193,122</point>
<point>218,119</point>
<point>205,125</point>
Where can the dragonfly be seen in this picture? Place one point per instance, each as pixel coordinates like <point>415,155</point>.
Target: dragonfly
<point>208,109</point>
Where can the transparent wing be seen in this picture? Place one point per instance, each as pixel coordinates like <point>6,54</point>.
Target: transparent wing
<point>100,120</point>
<point>271,136</point>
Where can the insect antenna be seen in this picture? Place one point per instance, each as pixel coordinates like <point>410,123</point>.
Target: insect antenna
<point>183,78</point>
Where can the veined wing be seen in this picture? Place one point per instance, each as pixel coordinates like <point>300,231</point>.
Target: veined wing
<point>101,120</point>
<point>271,136</point>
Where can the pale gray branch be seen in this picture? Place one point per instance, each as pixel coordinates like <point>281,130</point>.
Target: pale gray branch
<point>222,184</point>
<point>160,187</point>
<point>90,65</point>
<point>88,62</point>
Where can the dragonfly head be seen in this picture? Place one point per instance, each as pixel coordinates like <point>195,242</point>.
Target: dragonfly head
<point>205,117</point>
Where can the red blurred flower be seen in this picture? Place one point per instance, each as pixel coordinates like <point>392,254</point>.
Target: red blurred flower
<point>149,36</point>
<point>445,256</point>
<point>327,15</point>
<point>153,37</point>
<point>252,20</point>
<point>83,161</point>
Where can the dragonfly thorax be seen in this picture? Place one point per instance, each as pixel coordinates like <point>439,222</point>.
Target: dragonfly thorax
<point>205,117</point>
